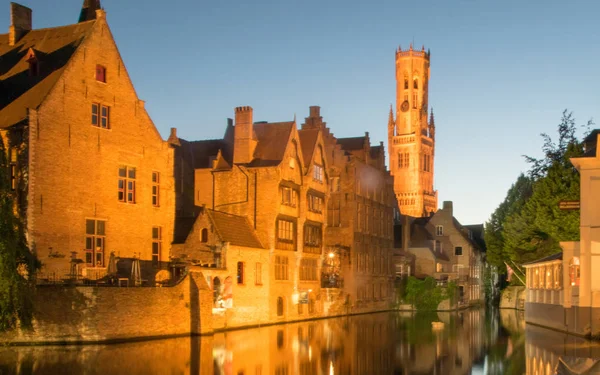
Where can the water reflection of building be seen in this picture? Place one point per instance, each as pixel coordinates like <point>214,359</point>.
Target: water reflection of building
<point>563,292</point>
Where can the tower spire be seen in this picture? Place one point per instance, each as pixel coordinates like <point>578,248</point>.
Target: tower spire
<point>391,121</point>
<point>431,119</point>
<point>88,10</point>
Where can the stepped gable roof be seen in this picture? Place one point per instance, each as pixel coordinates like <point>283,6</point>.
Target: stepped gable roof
<point>272,140</point>
<point>199,154</point>
<point>375,151</point>
<point>557,256</point>
<point>419,234</point>
<point>234,229</point>
<point>53,48</point>
<point>308,140</point>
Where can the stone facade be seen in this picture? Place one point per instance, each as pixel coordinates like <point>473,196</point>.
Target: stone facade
<point>411,136</point>
<point>93,174</point>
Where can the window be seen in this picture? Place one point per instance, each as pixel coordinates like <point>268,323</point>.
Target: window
<point>285,234</point>
<point>403,160</point>
<point>100,73</point>
<point>155,188</point>
<point>313,236</point>
<point>415,100</point>
<point>426,163</point>
<point>438,246</point>
<point>574,272</point>
<point>204,235</point>
<point>288,196</point>
<point>458,250</point>
<point>405,83</point>
<point>416,84</point>
<point>315,203</point>
<point>439,230</point>
<point>100,116</point>
<point>95,239</point>
<point>281,267</point>
<point>558,276</point>
<point>318,173</point>
<point>439,267</point>
<point>156,245</point>
<point>308,269</point>
<point>127,184</point>
<point>280,313</point>
<point>13,169</point>
<point>258,274</point>
<point>240,272</point>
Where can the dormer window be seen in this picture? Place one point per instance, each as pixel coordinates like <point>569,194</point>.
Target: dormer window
<point>34,64</point>
<point>318,173</point>
<point>100,73</point>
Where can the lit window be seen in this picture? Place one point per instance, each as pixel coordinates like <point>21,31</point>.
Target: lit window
<point>240,272</point>
<point>574,272</point>
<point>95,236</point>
<point>155,189</point>
<point>439,230</point>
<point>318,173</point>
<point>285,234</point>
<point>100,73</point>
<point>439,267</point>
<point>288,196</point>
<point>308,270</point>
<point>281,268</point>
<point>127,184</point>
<point>312,237</point>
<point>156,245</point>
<point>315,203</point>
<point>100,116</point>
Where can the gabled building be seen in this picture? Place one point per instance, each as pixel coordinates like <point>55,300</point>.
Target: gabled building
<point>276,178</point>
<point>90,172</point>
<point>448,251</point>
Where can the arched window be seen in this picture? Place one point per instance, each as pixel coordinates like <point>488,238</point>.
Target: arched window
<point>204,235</point>
<point>405,83</point>
<point>279,306</point>
<point>415,83</point>
<point>574,272</point>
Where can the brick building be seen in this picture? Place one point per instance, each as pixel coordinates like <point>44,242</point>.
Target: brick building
<point>449,251</point>
<point>90,171</point>
<point>359,233</point>
<point>411,136</point>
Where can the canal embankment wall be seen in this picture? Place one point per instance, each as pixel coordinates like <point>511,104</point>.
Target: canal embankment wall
<point>79,314</point>
<point>513,297</point>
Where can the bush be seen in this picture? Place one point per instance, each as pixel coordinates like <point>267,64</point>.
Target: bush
<point>426,294</point>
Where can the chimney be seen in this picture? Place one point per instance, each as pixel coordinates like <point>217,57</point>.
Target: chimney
<point>447,207</point>
<point>244,142</point>
<point>88,10</point>
<point>20,23</point>
<point>173,139</point>
<point>315,111</point>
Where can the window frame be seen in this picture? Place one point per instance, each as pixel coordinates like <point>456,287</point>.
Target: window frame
<point>155,189</point>
<point>439,230</point>
<point>100,73</point>
<point>156,245</point>
<point>318,173</point>
<point>126,186</point>
<point>456,250</point>
<point>100,116</point>
<point>281,268</point>
<point>240,273</point>
<point>96,238</point>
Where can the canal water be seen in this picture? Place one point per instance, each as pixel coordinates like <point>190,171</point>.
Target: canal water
<point>473,341</point>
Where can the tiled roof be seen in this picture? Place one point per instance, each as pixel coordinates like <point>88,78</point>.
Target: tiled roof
<point>477,234</point>
<point>308,140</point>
<point>352,144</point>
<point>200,153</point>
<point>53,48</point>
<point>234,229</point>
<point>272,141</point>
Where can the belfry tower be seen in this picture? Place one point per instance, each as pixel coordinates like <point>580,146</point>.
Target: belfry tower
<point>411,135</point>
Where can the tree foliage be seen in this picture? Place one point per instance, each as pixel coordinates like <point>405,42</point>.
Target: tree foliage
<point>426,295</point>
<point>16,261</point>
<point>528,224</point>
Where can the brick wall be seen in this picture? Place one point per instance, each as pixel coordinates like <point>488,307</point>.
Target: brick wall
<point>72,314</point>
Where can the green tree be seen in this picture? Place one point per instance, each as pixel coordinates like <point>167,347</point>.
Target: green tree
<point>16,261</point>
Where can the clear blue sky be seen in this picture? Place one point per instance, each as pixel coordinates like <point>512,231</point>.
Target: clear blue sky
<point>501,71</point>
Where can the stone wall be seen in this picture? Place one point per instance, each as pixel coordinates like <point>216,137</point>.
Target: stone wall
<point>513,297</point>
<point>109,314</point>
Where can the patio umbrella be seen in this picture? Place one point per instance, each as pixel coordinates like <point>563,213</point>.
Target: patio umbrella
<point>112,265</point>
<point>136,275</point>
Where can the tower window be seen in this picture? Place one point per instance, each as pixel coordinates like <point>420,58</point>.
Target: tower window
<point>405,83</point>
<point>416,84</point>
<point>415,100</point>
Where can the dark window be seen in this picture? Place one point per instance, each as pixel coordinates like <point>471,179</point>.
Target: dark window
<point>204,236</point>
<point>281,267</point>
<point>100,73</point>
<point>308,269</point>
<point>155,189</point>
<point>458,250</point>
<point>240,272</point>
<point>416,84</point>
<point>100,116</point>
<point>315,203</point>
<point>126,190</point>
<point>156,245</point>
<point>312,237</point>
<point>288,196</point>
<point>286,239</point>
<point>280,313</point>
<point>280,340</point>
<point>95,242</point>
<point>405,84</point>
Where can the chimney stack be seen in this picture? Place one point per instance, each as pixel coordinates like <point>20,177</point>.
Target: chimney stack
<point>315,111</point>
<point>447,207</point>
<point>244,141</point>
<point>20,23</point>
